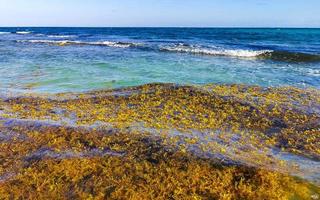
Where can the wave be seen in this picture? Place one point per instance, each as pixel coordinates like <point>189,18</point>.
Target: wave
<point>314,72</point>
<point>23,32</point>
<point>69,42</point>
<point>284,56</point>
<point>292,56</point>
<point>184,48</point>
<point>61,36</point>
<point>3,33</point>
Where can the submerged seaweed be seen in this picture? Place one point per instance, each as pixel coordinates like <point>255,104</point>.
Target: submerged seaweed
<point>162,141</point>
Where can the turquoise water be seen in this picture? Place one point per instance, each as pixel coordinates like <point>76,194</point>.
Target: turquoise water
<point>82,59</point>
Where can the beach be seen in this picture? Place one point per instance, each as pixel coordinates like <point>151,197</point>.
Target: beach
<point>159,113</point>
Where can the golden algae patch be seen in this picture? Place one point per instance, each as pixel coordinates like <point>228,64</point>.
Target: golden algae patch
<point>136,166</point>
<point>162,141</point>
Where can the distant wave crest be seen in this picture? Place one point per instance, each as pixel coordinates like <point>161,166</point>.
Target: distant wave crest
<point>2,33</point>
<point>61,36</point>
<point>23,32</point>
<point>100,43</point>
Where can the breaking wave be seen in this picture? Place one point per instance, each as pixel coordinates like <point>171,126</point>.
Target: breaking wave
<point>61,36</point>
<point>183,48</point>
<point>284,56</point>
<point>69,42</point>
<point>23,32</point>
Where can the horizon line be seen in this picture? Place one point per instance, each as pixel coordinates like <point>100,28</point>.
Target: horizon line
<point>245,27</point>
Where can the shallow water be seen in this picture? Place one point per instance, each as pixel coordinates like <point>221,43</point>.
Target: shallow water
<point>82,59</point>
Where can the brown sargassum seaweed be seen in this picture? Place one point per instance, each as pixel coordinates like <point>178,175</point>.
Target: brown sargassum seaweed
<point>162,141</point>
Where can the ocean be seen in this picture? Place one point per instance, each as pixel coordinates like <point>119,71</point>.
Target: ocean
<point>54,60</point>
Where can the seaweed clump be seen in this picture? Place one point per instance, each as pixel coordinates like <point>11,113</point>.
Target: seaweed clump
<point>161,141</point>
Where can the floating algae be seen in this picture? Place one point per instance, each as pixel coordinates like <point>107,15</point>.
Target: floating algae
<point>162,141</point>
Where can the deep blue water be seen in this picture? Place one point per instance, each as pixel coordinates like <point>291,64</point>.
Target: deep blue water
<point>83,59</point>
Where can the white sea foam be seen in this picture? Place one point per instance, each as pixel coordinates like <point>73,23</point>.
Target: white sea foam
<point>2,33</point>
<point>61,36</point>
<point>117,44</point>
<point>180,48</point>
<point>314,72</point>
<point>215,52</point>
<point>70,42</point>
<point>23,32</point>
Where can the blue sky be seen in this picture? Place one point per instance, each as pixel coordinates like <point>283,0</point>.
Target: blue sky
<point>199,13</point>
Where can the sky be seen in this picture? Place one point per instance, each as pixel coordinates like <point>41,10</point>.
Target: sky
<point>161,13</point>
